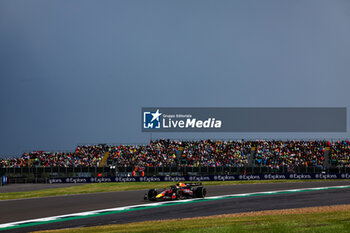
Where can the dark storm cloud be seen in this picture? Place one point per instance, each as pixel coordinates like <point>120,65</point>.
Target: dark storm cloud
<point>79,71</point>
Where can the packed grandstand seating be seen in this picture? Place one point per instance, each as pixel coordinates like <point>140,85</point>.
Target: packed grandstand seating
<point>340,154</point>
<point>209,153</point>
<point>290,153</point>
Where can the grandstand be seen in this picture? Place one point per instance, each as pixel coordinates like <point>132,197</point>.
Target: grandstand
<point>171,157</point>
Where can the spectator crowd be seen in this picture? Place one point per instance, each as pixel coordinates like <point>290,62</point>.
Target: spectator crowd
<point>208,153</point>
<point>275,154</point>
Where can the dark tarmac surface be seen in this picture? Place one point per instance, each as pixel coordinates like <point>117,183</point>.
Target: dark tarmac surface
<point>18,210</point>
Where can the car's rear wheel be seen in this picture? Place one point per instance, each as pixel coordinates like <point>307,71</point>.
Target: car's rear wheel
<point>201,192</point>
<point>152,193</point>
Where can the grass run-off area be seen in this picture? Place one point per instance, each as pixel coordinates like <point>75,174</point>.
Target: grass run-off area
<point>125,186</point>
<point>314,219</point>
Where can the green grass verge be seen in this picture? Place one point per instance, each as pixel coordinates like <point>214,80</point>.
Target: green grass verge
<point>333,221</point>
<point>110,187</point>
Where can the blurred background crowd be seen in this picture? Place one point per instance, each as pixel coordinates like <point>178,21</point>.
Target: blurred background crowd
<point>208,153</point>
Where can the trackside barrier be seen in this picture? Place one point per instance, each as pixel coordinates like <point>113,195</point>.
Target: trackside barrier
<point>50,172</point>
<point>287,176</point>
<point>3,180</point>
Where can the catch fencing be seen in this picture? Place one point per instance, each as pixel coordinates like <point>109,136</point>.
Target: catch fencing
<point>3,180</point>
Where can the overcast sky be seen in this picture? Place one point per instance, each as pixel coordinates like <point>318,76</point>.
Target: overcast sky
<point>77,72</point>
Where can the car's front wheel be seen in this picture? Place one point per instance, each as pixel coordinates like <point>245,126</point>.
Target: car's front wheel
<point>201,192</point>
<point>178,195</point>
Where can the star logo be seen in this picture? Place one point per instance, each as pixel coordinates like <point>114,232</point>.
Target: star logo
<point>156,115</point>
<point>151,120</point>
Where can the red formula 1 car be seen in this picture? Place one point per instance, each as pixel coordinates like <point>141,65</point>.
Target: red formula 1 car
<point>177,192</point>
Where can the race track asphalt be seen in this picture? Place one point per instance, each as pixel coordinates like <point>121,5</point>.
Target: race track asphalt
<point>25,209</point>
